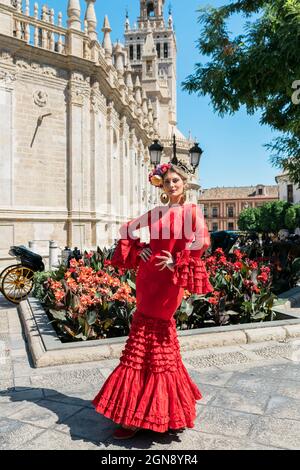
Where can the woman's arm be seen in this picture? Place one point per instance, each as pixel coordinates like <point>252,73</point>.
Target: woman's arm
<point>127,229</point>
<point>129,248</point>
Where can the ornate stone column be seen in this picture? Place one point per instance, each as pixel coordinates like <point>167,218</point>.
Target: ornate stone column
<point>78,169</point>
<point>7,82</point>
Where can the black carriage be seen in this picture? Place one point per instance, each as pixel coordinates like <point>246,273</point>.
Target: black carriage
<point>16,281</point>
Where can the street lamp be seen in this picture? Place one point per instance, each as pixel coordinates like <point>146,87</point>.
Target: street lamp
<point>195,155</point>
<point>156,150</point>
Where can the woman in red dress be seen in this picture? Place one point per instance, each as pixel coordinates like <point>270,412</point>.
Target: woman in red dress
<point>151,388</point>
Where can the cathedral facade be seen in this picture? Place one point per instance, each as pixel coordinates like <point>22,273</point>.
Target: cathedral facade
<point>77,115</point>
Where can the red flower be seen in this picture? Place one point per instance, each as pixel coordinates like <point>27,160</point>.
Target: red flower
<point>255,289</point>
<point>165,167</point>
<point>263,277</point>
<point>253,265</point>
<point>237,266</point>
<point>238,254</point>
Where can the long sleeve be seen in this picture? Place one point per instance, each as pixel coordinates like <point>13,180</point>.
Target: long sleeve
<point>189,270</point>
<point>129,247</point>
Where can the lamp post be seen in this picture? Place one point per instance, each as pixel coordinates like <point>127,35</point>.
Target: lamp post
<point>156,150</point>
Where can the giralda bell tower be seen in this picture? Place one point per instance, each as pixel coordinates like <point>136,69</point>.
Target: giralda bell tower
<point>151,49</point>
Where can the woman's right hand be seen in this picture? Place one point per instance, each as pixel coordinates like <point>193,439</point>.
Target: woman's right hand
<point>146,254</point>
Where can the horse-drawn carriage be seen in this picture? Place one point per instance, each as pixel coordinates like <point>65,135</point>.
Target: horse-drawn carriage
<point>16,281</point>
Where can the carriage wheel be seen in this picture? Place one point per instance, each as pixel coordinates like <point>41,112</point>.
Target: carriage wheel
<point>17,283</point>
<point>5,270</point>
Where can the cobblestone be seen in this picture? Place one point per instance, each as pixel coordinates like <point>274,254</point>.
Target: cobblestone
<point>251,399</point>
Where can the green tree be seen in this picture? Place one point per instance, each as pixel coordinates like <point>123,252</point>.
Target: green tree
<point>258,69</point>
<point>249,219</point>
<point>272,216</point>
<point>292,217</point>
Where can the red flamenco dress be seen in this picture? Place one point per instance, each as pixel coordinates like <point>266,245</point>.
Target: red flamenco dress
<point>151,388</point>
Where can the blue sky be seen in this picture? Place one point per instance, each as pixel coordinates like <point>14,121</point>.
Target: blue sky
<point>233,146</point>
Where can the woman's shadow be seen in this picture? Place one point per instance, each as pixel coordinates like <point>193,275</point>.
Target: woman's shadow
<point>78,418</point>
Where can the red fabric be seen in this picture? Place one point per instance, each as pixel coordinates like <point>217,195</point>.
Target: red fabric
<point>151,388</point>
<point>190,273</point>
<point>126,254</point>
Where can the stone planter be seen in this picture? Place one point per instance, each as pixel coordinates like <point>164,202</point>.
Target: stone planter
<point>47,349</point>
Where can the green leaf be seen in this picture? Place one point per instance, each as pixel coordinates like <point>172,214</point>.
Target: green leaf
<point>296,266</point>
<point>58,314</point>
<point>186,307</point>
<point>81,336</point>
<point>131,284</point>
<point>91,317</point>
<point>259,316</point>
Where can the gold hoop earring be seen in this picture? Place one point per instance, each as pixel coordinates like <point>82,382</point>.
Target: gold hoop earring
<point>164,198</point>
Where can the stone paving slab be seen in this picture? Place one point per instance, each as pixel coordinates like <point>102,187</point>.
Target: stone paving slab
<point>283,433</point>
<point>54,440</point>
<point>251,399</point>
<point>14,434</point>
<point>190,439</point>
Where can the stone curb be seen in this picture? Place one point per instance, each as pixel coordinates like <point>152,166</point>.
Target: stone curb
<point>58,353</point>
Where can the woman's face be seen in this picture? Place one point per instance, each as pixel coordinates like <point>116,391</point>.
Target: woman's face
<point>173,185</point>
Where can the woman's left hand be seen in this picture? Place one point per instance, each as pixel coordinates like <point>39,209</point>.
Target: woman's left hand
<point>167,261</point>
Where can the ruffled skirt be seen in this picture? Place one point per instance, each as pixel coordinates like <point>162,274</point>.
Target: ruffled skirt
<point>151,387</point>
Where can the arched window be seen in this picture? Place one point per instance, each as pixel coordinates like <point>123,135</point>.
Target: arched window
<point>166,50</point>
<point>150,9</point>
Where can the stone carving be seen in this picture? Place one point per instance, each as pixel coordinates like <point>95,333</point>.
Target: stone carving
<point>5,56</point>
<point>7,77</point>
<point>76,95</point>
<point>98,101</point>
<point>22,64</point>
<point>49,71</point>
<point>40,98</point>
<point>36,66</point>
<point>79,77</point>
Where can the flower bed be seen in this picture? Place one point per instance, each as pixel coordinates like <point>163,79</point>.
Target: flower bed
<point>92,300</point>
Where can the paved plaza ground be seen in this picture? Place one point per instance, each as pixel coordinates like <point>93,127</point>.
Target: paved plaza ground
<point>251,399</point>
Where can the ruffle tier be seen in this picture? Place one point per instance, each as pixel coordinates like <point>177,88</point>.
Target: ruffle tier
<point>126,254</point>
<point>190,273</point>
<point>151,387</point>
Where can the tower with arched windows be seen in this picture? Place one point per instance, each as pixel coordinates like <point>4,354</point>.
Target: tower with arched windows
<point>151,49</point>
